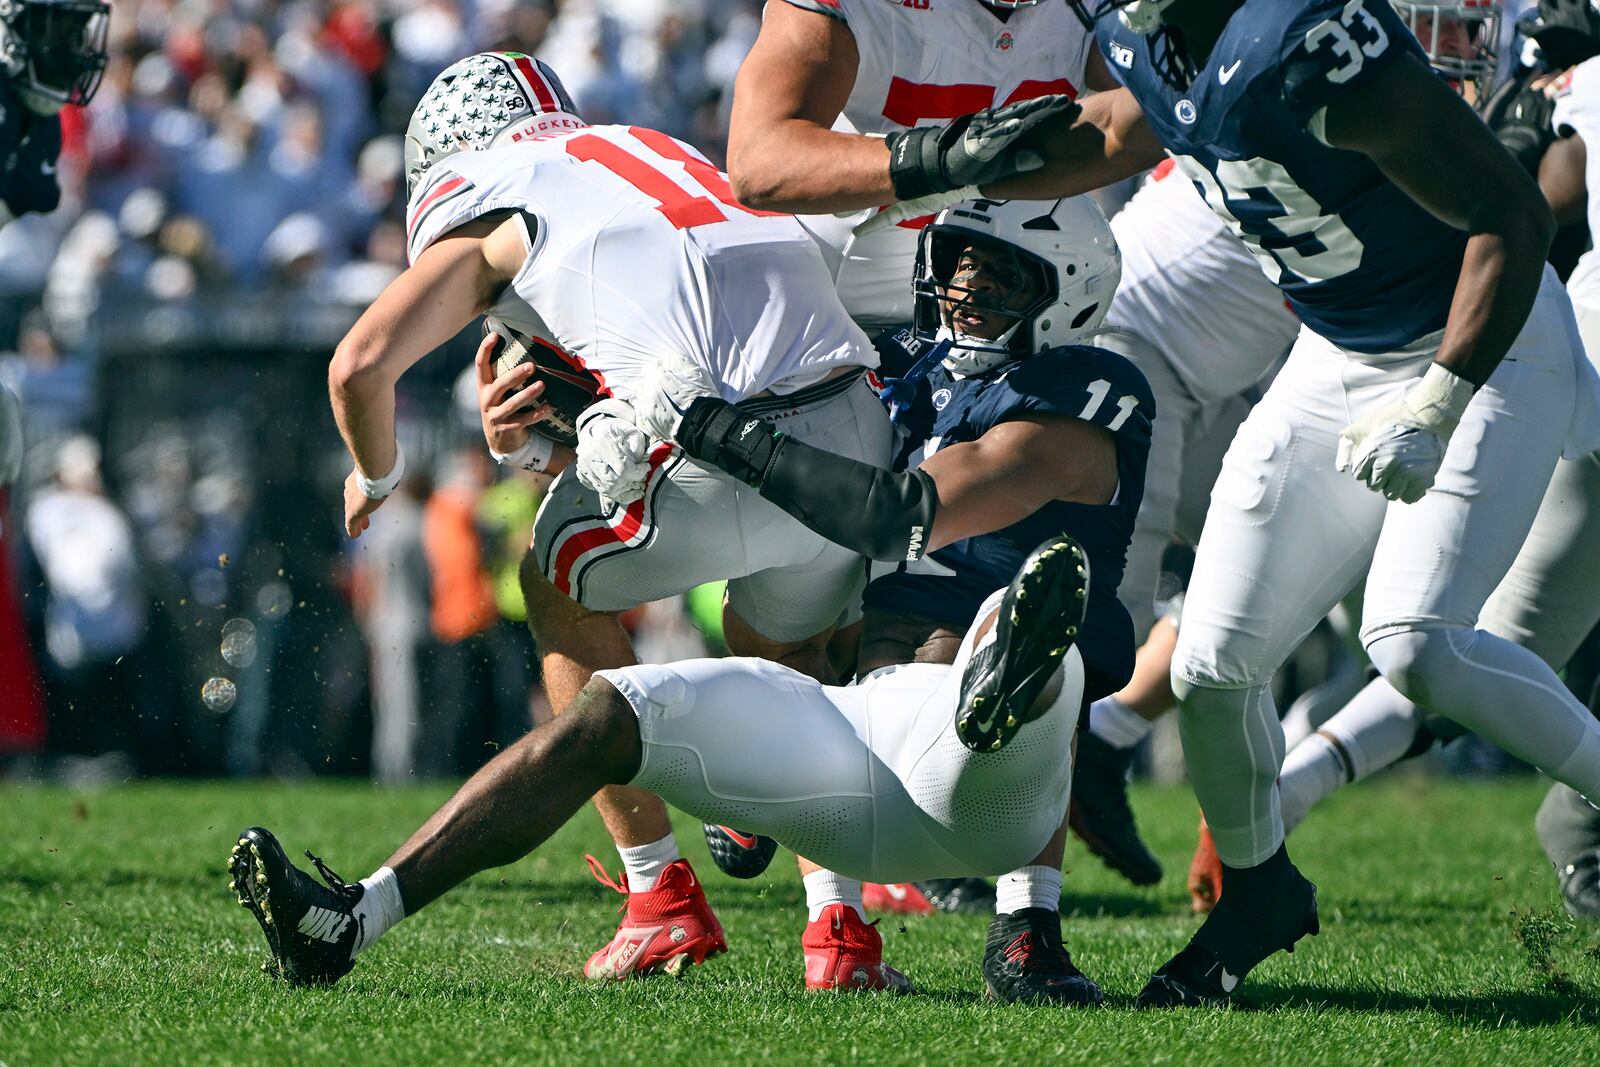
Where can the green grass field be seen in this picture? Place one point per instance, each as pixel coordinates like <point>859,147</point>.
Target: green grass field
<point>1442,943</point>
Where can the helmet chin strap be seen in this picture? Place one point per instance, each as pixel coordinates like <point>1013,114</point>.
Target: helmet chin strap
<point>969,355</point>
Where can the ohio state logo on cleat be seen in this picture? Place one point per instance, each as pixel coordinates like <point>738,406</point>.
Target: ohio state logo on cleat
<point>665,930</point>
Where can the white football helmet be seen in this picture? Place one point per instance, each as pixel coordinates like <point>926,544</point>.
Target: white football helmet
<point>484,100</point>
<point>1064,248</point>
<point>1461,38</point>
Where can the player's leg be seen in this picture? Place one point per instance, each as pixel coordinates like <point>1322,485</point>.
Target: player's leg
<point>986,806</point>
<point>1440,558</point>
<point>1286,536</point>
<point>505,810</point>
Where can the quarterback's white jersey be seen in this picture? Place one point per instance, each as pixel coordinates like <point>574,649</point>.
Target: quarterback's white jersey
<point>1192,289</point>
<point>1578,113</point>
<point>639,248</point>
<point>924,62</point>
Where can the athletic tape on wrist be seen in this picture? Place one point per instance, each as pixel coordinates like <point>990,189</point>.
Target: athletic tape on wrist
<point>377,489</point>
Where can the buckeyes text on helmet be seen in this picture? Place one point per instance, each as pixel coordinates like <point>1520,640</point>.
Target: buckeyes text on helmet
<point>484,100</point>
<point>1066,262</point>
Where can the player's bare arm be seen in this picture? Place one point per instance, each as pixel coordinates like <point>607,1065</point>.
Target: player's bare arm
<point>782,155</point>
<point>1406,120</point>
<point>452,282</point>
<point>1561,179</point>
<point>794,84</point>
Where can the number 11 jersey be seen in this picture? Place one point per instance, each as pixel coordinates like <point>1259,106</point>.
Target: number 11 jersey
<point>1360,262</point>
<point>636,247</point>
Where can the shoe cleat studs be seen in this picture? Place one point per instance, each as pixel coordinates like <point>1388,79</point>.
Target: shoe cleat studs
<point>1011,720</point>
<point>996,746</point>
<point>1022,594</point>
<point>1080,593</point>
<point>977,702</point>
<point>1072,631</point>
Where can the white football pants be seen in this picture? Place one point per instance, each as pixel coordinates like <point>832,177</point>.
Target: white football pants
<point>1287,535</point>
<point>868,780</point>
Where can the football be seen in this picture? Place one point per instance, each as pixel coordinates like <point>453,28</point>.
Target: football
<point>569,386</point>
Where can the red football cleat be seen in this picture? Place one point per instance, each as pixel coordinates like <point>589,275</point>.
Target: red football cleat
<point>665,930</point>
<point>896,898</point>
<point>842,952</point>
<point>1205,872</point>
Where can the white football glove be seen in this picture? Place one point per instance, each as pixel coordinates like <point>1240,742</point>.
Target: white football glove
<point>1398,449</point>
<point>666,392</point>
<point>899,212</point>
<point>613,455</point>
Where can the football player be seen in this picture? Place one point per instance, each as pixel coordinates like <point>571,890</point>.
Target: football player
<point>832,117</point>
<point>606,247</point>
<point>921,769</point>
<point>1550,598</point>
<point>1315,129</point>
<point>52,53</point>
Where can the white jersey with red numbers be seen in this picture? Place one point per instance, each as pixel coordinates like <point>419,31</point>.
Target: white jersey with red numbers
<point>1577,113</point>
<point>1192,289</point>
<point>638,248</point>
<point>922,63</point>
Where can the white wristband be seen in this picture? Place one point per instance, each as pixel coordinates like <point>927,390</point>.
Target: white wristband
<point>382,487</point>
<point>533,456</point>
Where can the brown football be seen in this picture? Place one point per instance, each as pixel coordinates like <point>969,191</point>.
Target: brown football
<point>569,386</point>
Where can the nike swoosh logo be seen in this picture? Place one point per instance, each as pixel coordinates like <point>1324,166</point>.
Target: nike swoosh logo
<point>1229,981</point>
<point>1225,74</point>
<point>742,840</point>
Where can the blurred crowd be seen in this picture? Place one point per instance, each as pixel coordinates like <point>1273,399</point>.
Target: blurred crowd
<point>181,598</point>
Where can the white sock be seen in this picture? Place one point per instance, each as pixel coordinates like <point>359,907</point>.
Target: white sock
<point>1116,724</point>
<point>1028,887</point>
<point>644,863</point>
<point>824,888</point>
<point>378,909</point>
<point>1312,771</point>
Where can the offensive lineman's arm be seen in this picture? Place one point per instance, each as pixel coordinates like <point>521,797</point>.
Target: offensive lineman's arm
<point>960,491</point>
<point>1408,122</point>
<point>782,155</point>
<point>454,280</point>
<point>1562,179</point>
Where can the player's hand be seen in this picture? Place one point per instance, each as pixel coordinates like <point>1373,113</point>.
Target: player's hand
<point>613,454</point>
<point>974,149</point>
<point>668,388</point>
<point>358,506</point>
<point>1398,449</point>
<point>508,405</point>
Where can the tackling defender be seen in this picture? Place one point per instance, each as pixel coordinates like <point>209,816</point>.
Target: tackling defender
<point>1016,431</point>
<point>519,208</point>
<point>1315,128</point>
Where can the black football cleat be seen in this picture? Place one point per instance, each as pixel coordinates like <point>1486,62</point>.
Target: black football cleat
<point>959,896</point>
<point>1100,815</point>
<point>1580,886</point>
<point>738,854</point>
<point>1038,620</point>
<point>1245,927</point>
<point>311,928</point>
<point>1025,962</point>
<point>1569,833</point>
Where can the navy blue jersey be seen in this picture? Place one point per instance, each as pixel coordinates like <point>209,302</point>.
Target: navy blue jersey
<point>1360,262</point>
<point>1080,382</point>
<point>29,145</point>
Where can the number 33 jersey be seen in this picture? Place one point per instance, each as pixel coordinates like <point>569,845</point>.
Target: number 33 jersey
<point>636,247</point>
<point>922,63</point>
<point>1360,262</point>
